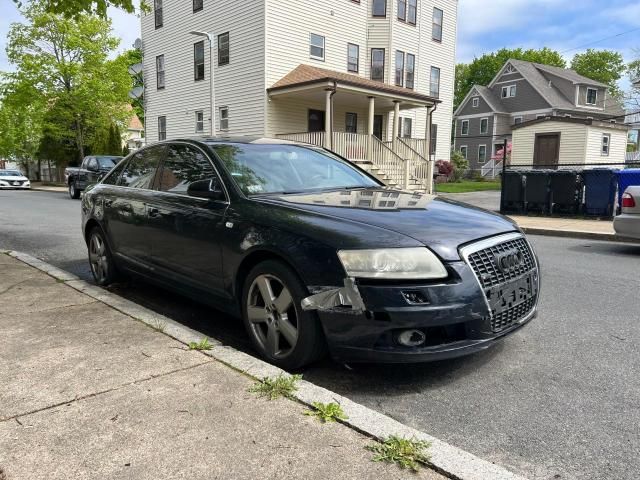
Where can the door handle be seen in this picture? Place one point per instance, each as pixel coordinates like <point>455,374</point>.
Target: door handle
<point>153,212</point>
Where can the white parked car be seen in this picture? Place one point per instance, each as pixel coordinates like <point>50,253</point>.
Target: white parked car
<point>627,224</point>
<point>13,179</point>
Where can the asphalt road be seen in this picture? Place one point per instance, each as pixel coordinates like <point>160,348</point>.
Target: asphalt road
<point>559,399</point>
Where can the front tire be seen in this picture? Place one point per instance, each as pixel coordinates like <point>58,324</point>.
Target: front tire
<point>283,333</point>
<point>74,193</point>
<point>101,261</point>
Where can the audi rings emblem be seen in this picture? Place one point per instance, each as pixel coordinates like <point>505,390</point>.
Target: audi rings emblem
<point>509,260</point>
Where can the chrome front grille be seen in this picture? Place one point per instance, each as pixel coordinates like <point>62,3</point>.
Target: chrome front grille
<point>508,299</point>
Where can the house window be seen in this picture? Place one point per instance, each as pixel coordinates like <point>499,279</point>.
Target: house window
<point>509,91</point>
<point>517,120</point>
<point>592,96</point>
<point>465,127</point>
<point>377,64</point>
<point>411,67</point>
<point>407,127</point>
<point>435,82</point>
<point>434,138</point>
<point>399,67</point>
<point>316,46</point>
<point>160,72</point>
<point>475,102</point>
<point>402,10</point>
<point>197,5</point>
<point>606,142</point>
<point>379,8</point>
<point>199,121</point>
<point>198,60</point>
<point>436,29</point>
<point>484,125</point>
<point>463,151</point>
<point>351,123</point>
<point>162,128</point>
<point>224,118</point>
<point>223,49</point>
<point>482,153</point>
<point>157,12</point>
<point>412,13</point>
<point>353,58</point>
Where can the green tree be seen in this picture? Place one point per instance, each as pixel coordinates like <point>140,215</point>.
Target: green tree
<point>127,59</point>
<point>605,66</point>
<point>482,70</point>
<point>73,8</point>
<point>66,62</point>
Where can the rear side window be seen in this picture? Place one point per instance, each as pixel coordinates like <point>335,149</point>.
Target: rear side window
<point>141,169</point>
<point>114,175</point>
<point>184,165</point>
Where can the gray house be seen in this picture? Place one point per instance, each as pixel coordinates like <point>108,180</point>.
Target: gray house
<point>524,91</point>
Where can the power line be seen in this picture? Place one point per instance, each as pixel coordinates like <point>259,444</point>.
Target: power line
<point>600,40</point>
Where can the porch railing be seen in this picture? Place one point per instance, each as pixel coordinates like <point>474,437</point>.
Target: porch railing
<point>491,168</point>
<point>350,145</point>
<point>418,165</point>
<point>390,164</point>
<point>418,144</point>
<point>313,138</point>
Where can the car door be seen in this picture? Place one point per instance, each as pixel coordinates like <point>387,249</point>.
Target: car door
<point>82,173</point>
<point>92,173</point>
<point>126,210</point>
<point>186,230</point>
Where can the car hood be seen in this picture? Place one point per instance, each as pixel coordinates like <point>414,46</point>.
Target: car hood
<point>13,178</point>
<point>440,224</point>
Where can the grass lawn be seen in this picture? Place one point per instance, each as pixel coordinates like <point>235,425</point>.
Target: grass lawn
<point>467,186</point>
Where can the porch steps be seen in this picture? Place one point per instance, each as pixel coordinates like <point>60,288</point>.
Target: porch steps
<point>368,165</point>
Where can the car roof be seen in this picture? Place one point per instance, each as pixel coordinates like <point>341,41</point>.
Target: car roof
<point>243,140</point>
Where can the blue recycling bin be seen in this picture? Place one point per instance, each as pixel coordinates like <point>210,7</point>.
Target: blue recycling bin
<point>600,185</point>
<point>626,178</point>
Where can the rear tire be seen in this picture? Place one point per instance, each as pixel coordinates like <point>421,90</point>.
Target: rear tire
<point>283,333</point>
<point>74,193</point>
<point>103,268</point>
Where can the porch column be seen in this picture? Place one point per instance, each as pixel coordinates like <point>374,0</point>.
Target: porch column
<point>372,112</point>
<point>427,150</point>
<point>328,130</point>
<point>396,123</point>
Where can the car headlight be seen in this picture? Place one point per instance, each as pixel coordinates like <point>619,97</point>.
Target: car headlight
<point>393,263</point>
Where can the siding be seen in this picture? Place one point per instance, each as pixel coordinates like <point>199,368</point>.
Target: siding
<point>617,148</point>
<point>573,140</point>
<point>182,96</point>
<point>527,98</point>
<point>469,109</point>
<point>473,140</point>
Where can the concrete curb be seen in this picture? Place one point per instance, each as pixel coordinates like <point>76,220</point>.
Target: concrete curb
<point>606,237</point>
<point>448,460</point>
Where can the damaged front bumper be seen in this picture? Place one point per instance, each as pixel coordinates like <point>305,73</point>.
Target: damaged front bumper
<point>329,298</point>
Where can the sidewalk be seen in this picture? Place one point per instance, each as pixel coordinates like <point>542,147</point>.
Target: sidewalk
<point>569,227</point>
<point>47,188</point>
<point>89,392</point>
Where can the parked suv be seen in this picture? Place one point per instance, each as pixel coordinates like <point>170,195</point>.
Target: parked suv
<point>93,168</point>
<point>311,252</point>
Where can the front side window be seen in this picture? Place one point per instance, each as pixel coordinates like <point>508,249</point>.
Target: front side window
<point>399,67</point>
<point>223,49</point>
<point>141,169</point>
<point>160,72</point>
<point>606,142</point>
<point>198,60</point>
<point>484,125</point>
<point>482,153</point>
<point>377,64</point>
<point>114,175</point>
<point>92,164</point>
<point>412,12</point>
<point>162,128</point>
<point>379,8</point>
<point>157,12</point>
<point>183,165</point>
<point>411,67</point>
<point>465,127</point>
<point>434,87</point>
<point>351,123</point>
<point>592,96</point>
<point>199,121</point>
<point>316,46</point>
<point>353,58</point>
<point>436,28</point>
<point>407,127</point>
<point>224,118</point>
<point>264,169</point>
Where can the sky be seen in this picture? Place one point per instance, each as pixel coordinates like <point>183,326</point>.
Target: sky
<point>483,26</point>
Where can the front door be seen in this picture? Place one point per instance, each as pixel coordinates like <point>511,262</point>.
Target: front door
<point>377,126</point>
<point>547,150</point>
<point>316,121</point>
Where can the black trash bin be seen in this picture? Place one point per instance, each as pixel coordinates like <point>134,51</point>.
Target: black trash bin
<point>600,186</point>
<point>536,191</point>
<point>564,191</point>
<point>513,192</point>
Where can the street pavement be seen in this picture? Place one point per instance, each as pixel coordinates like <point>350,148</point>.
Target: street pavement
<point>559,399</point>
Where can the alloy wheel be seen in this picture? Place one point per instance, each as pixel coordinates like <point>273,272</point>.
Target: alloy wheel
<point>98,258</point>
<point>272,316</point>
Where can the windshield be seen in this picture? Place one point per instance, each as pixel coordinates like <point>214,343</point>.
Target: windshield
<point>10,173</point>
<point>262,169</point>
<point>108,162</point>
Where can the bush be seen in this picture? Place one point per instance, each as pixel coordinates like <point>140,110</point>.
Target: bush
<point>460,165</point>
<point>444,167</point>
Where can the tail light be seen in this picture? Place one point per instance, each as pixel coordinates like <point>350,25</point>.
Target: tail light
<point>628,201</point>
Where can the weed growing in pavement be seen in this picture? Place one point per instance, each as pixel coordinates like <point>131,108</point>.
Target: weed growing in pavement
<point>159,325</point>
<point>276,387</point>
<point>403,452</point>
<point>201,345</point>
<point>327,412</point>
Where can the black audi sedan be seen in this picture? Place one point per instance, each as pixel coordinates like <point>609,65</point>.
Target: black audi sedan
<point>313,253</point>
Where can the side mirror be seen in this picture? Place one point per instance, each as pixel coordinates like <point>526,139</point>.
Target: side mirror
<point>210,189</point>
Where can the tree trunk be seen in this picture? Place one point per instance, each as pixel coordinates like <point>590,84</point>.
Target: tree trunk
<point>39,172</point>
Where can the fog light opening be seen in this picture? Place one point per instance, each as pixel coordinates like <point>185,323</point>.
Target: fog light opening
<point>411,338</point>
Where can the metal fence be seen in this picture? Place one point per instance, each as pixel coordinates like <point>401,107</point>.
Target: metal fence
<point>592,190</point>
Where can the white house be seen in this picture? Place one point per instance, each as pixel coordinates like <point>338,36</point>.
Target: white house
<point>342,73</point>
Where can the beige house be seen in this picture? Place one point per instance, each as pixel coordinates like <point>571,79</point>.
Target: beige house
<point>552,142</point>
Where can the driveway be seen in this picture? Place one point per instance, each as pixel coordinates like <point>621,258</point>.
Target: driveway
<point>559,399</point>
<point>489,200</point>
